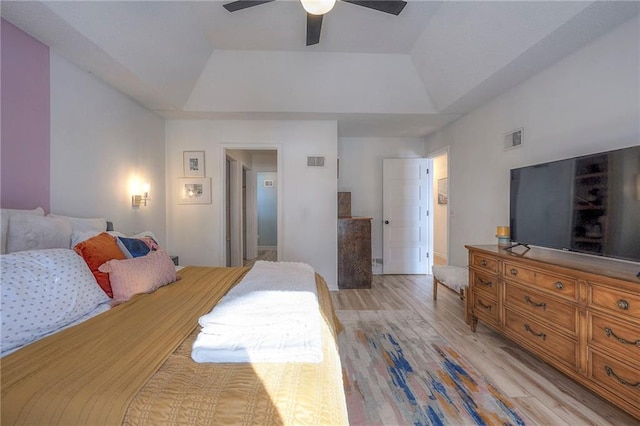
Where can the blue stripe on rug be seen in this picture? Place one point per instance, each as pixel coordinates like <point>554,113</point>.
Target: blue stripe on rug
<point>396,380</point>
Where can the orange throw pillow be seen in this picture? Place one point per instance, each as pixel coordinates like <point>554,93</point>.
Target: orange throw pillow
<point>96,251</point>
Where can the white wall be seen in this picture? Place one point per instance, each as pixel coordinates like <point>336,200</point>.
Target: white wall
<point>100,141</point>
<point>586,103</point>
<point>361,174</point>
<point>308,231</point>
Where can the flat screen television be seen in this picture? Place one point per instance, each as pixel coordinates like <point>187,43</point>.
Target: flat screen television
<point>588,204</point>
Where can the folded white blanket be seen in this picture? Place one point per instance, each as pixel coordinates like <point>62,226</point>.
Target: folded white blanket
<point>272,315</point>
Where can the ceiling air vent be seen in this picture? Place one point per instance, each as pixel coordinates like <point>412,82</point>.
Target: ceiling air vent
<point>513,139</point>
<point>315,161</point>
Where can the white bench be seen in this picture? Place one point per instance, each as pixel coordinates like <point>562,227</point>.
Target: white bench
<point>454,277</point>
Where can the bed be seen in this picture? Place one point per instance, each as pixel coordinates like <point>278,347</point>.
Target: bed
<point>132,365</point>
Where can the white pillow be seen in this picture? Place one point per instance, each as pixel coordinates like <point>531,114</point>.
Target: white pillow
<point>28,232</point>
<point>38,211</point>
<point>43,291</point>
<point>4,216</point>
<point>79,224</point>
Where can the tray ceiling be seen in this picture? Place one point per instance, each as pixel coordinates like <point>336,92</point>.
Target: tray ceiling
<point>376,74</point>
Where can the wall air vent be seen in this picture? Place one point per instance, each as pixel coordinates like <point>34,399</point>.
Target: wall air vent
<point>514,139</point>
<point>315,161</point>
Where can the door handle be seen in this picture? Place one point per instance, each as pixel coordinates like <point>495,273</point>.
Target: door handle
<point>386,222</point>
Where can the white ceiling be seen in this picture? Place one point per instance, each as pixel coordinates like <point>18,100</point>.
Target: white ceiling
<point>376,74</point>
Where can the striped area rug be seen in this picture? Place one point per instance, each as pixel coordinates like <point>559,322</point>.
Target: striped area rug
<point>398,371</point>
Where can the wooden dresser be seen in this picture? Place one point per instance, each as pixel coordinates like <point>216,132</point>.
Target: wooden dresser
<point>354,252</point>
<point>579,313</point>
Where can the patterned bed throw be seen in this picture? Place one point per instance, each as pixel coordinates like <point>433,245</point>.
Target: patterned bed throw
<point>132,365</point>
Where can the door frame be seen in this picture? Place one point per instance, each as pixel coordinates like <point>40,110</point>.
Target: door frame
<point>252,216</point>
<point>234,210</point>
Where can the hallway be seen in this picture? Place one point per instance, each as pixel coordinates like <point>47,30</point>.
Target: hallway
<point>269,255</point>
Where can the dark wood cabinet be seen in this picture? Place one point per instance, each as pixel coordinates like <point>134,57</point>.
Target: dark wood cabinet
<point>354,252</point>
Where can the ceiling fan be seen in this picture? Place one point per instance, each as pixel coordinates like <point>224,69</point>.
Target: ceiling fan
<point>317,8</point>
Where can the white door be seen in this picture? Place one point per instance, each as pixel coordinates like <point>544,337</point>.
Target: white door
<point>405,197</point>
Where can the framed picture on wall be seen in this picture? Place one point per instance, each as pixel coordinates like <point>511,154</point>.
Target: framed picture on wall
<point>193,163</point>
<point>443,196</point>
<point>194,190</point>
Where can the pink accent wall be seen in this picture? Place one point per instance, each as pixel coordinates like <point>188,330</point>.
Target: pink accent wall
<point>26,120</point>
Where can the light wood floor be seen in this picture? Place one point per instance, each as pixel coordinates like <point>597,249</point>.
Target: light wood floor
<point>539,391</point>
<point>270,255</point>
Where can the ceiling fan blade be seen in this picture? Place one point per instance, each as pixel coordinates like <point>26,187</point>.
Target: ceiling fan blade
<point>243,4</point>
<point>393,7</point>
<point>314,24</point>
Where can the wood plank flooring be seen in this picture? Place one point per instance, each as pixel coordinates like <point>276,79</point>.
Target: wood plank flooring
<point>269,255</point>
<point>538,390</point>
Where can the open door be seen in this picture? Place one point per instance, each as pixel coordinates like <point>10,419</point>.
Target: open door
<point>405,229</point>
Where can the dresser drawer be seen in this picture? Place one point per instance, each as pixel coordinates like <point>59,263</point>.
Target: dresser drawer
<point>615,337</point>
<point>484,262</point>
<point>485,283</point>
<point>618,377</point>
<point>561,314</point>
<point>541,338</point>
<point>485,308</point>
<point>615,301</point>
<point>559,285</point>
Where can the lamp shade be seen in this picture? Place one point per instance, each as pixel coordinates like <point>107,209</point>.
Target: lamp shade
<point>318,7</point>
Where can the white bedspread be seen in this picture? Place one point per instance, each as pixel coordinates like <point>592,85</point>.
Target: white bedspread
<point>272,315</point>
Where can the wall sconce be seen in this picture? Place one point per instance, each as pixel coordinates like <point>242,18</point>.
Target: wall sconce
<point>137,200</point>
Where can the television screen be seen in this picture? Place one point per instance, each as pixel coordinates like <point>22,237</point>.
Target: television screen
<point>588,204</point>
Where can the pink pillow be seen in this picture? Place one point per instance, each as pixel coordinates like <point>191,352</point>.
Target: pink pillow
<point>139,275</point>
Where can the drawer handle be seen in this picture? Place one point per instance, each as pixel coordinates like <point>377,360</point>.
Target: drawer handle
<point>514,271</point>
<point>610,333</point>
<point>537,305</point>
<point>559,285</point>
<point>541,335</point>
<point>483,282</point>
<point>610,372</point>
<point>487,307</point>
<point>623,304</point>
<point>483,263</point>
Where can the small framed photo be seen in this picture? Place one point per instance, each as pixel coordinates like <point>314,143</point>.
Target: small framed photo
<point>194,190</point>
<point>193,163</point>
<point>443,197</point>
<point>268,183</point>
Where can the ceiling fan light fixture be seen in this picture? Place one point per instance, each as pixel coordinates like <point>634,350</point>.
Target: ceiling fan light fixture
<point>318,7</point>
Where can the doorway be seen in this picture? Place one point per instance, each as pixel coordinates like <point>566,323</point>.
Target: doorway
<point>267,210</point>
<point>440,216</point>
<point>242,210</point>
